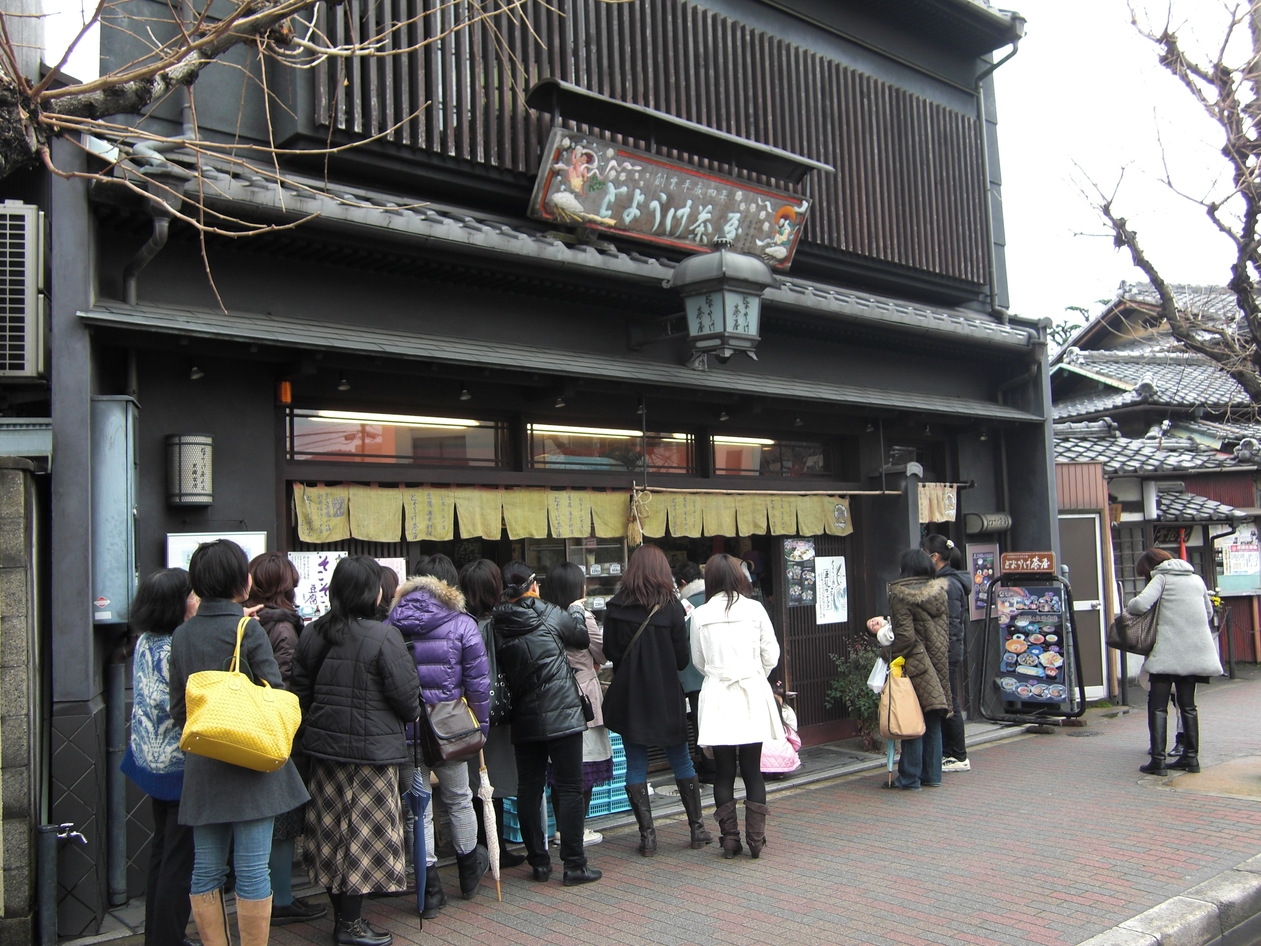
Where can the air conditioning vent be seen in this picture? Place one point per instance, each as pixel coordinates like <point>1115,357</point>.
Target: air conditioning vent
<point>21,291</point>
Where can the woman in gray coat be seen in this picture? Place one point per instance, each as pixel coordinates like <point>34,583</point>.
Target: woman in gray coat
<point>1184,654</point>
<point>227,806</point>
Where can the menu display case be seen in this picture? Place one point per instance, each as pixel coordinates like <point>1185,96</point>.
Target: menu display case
<point>603,561</point>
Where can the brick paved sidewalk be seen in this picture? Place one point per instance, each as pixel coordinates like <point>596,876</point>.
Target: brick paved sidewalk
<point>1051,839</point>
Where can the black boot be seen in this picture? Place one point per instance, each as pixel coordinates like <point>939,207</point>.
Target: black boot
<point>506,857</point>
<point>472,867</point>
<point>1158,731</point>
<point>690,792</point>
<point>642,806</point>
<point>359,933</point>
<point>755,827</point>
<point>1189,761</point>
<point>729,826</point>
<point>435,898</point>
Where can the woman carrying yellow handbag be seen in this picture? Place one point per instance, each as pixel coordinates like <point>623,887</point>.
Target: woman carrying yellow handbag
<point>228,806</point>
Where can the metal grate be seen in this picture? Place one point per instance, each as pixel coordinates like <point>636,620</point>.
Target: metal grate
<point>21,316</point>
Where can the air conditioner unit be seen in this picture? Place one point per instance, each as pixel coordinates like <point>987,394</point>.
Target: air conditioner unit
<point>22,298</point>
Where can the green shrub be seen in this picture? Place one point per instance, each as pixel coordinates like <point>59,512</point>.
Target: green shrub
<point>850,689</point>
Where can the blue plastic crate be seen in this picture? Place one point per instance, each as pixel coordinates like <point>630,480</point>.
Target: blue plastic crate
<point>512,824</point>
<point>607,799</point>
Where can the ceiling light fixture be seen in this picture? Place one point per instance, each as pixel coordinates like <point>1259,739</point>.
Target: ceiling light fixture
<point>343,384</point>
<point>871,428</point>
<point>797,421</point>
<point>464,395</point>
<point>560,402</point>
<point>723,415</point>
<point>196,374</point>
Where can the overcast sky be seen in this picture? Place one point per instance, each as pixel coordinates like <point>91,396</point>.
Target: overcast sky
<point>1085,100</point>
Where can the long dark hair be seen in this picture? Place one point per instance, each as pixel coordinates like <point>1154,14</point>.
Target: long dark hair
<point>935,544</point>
<point>161,601</point>
<point>352,594</point>
<point>483,586</point>
<point>648,580</point>
<point>566,583</point>
<point>518,577</point>
<point>725,576</point>
<point>915,563</point>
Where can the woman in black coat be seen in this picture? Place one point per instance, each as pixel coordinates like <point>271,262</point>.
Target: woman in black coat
<point>547,719</point>
<point>644,704</point>
<point>358,688</point>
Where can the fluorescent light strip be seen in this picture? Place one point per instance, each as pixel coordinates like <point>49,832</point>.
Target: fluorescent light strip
<point>585,431</point>
<point>745,441</point>
<point>394,420</point>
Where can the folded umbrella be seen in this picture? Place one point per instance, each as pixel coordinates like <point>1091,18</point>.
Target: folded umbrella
<point>417,799</point>
<point>486,792</point>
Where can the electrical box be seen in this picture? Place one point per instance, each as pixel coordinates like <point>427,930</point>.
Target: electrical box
<point>115,470</point>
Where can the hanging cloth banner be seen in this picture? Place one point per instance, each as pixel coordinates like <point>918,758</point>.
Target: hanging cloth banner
<point>812,514</point>
<point>569,512</point>
<point>685,514</point>
<point>609,513</point>
<point>428,514</point>
<point>750,513</point>
<point>836,515</point>
<point>719,514</point>
<point>479,511</point>
<point>652,515</point>
<point>376,515</point>
<point>322,512</point>
<point>937,502</point>
<point>781,515</point>
<point>525,513</point>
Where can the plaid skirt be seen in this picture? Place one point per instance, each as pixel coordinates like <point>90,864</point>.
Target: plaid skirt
<point>353,842</point>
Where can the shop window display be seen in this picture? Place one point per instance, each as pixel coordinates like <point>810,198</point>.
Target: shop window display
<point>760,456</point>
<point>556,447</point>
<point>395,438</point>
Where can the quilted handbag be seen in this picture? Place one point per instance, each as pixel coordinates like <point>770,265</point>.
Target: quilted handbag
<point>1135,634</point>
<point>900,713</point>
<point>233,720</point>
<point>449,731</point>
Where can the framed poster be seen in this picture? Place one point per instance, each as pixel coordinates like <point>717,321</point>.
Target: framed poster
<point>831,595</point>
<point>180,546</point>
<point>314,571</point>
<point>982,565</point>
<point>799,572</point>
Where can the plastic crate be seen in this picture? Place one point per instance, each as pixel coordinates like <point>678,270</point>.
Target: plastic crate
<point>609,798</point>
<point>512,824</point>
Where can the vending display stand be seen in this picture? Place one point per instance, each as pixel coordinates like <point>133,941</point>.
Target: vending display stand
<point>1030,658</point>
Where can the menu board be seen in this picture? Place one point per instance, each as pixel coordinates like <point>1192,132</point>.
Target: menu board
<point>799,572</point>
<point>1033,639</point>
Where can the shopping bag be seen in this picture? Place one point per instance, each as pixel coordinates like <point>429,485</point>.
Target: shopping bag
<point>233,720</point>
<point>879,673</point>
<point>900,713</point>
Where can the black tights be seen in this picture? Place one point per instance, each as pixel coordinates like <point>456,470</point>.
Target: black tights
<point>750,759</point>
<point>1159,687</point>
<point>347,906</point>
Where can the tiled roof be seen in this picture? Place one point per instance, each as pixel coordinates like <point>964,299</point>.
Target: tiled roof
<point>1122,455</point>
<point>1216,434</point>
<point>1147,375</point>
<point>1188,507</point>
<point>1212,302</point>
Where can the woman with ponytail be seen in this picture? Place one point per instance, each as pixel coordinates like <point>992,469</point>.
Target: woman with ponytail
<point>948,561</point>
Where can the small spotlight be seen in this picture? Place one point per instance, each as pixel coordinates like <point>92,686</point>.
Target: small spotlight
<point>928,430</point>
<point>343,384</point>
<point>871,428</point>
<point>724,416</point>
<point>560,402</point>
<point>985,435</point>
<point>464,395</point>
<point>196,374</point>
<point>797,421</point>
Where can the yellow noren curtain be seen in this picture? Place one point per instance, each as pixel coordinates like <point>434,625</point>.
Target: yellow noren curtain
<point>525,513</point>
<point>685,514</point>
<point>376,515</point>
<point>479,510</point>
<point>569,512</point>
<point>652,515</point>
<point>429,514</point>
<point>719,514</point>
<point>750,513</point>
<point>811,512</point>
<point>322,513</point>
<point>609,512</point>
<point>781,515</point>
<point>837,519</point>
<point>937,502</point>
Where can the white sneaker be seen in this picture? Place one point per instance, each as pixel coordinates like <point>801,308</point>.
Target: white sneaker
<point>955,765</point>
<point>590,837</point>
<point>556,839</point>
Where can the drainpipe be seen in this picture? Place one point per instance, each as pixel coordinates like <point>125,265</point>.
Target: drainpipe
<point>1018,29</point>
<point>166,185</point>
<point>116,782</point>
<point>47,851</point>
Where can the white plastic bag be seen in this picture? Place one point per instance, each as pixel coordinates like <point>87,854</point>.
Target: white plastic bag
<point>879,673</point>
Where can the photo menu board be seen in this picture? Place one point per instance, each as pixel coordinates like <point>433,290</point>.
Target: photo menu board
<point>799,571</point>
<point>1034,644</point>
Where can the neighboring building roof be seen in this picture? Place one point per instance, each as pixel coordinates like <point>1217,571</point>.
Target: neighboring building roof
<point>1161,379</point>
<point>1102,443</point>
<point>1188,507</point>
<point>1219,435</point>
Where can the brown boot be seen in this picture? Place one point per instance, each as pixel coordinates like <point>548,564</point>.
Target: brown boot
<point>253,919</point>
<point>211,919</point>
<point>755,827</point>
<point>641,804</point>
<point>690,792</point>
<point>729,825</point>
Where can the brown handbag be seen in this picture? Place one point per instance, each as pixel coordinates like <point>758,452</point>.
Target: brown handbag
<point>1135,634</point>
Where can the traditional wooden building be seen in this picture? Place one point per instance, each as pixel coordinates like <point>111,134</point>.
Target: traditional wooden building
<point>475,339</point>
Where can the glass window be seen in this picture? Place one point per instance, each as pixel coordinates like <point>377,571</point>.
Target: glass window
<point>394,438</point>
<point>761,456</point>
<point>556,447</point>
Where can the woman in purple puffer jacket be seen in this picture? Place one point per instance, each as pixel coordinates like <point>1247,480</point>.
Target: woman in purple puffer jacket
<point>450,657</point>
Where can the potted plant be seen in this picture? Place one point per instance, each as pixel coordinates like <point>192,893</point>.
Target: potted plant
<point>850,689</point>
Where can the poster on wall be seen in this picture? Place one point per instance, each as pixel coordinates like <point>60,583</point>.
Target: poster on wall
<point>314,571</point>
<point>398,564</point>
<point>831,605</point>
<point>982,564</point>
<point>181,545</point>
<point>799,572</point>
<point>1238,557</point>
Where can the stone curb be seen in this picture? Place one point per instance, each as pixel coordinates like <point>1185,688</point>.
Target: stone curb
<point>1223,911</point>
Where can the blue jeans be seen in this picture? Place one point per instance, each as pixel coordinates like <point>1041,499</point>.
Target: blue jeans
<point>920,762</point>
<point>637,762</point>
<point>251,843</point>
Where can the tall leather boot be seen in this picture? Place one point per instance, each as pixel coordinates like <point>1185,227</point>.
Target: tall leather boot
<point>1189,761</point>
<point>755,827</point>
<point>1158,730</point>
<point>435,897</point>
<point>690,792</point>
<point>211,918</point>
<point>253,919</point>
<point>729,826</point>
<point>642,806</point>
<point>472,866</point>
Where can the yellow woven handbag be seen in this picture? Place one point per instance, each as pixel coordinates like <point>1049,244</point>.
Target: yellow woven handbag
<point>232,720</point>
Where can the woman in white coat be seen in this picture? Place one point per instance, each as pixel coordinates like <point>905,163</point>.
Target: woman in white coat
<point>733,644</point>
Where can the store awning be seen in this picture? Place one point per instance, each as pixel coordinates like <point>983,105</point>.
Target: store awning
<point>359,339</point>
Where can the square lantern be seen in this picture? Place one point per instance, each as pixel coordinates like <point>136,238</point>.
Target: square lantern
<point>722,297</point>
